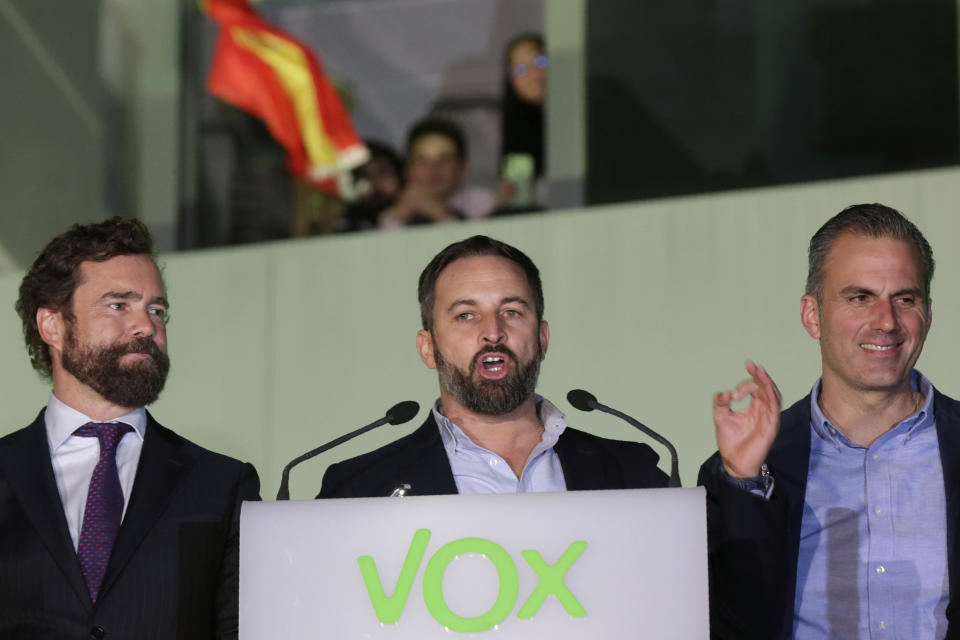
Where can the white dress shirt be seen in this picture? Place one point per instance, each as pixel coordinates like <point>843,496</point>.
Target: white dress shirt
<point>74,457</point>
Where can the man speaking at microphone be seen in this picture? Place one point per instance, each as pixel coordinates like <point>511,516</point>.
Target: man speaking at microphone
<point>481,307</point>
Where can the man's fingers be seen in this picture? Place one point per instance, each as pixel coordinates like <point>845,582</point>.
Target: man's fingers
<point>721,400</point>
<point>761,375</point>
<point>769,385</point>
<point>742,390</point>
<point>745,388</point>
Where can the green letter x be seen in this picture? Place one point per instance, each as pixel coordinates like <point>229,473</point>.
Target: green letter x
<point>551,581</point>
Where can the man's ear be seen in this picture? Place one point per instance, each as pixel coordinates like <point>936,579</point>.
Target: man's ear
<point>544,338</point>
<point>52,327</point>
<point>810,315</point>
<point>425,348</point>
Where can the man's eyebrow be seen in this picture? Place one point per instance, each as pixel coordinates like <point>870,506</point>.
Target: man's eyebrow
<point>856,288</point>
<point>915,291</point>
<point>463,302</point>
<point>515,299</point>
<point>467,302</point>
<point>121,295</point>
<point>133,295</point>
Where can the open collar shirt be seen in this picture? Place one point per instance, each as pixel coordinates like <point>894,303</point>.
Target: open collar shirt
<point>873,551</point>
<point>479,470</point>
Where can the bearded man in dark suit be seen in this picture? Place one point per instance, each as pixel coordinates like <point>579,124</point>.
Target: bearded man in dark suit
<point>481,307</point>
<point>111,525</point>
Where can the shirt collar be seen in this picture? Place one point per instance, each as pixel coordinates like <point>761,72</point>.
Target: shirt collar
<point>62,420</point>
<point>922,419</point>
<point>453,437</point>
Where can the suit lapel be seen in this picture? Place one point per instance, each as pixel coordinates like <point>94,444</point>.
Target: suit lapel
<point>947,419</point>
<point>25,462</point>
<point>427,468</point>
<point>789,457</point>
<point>583,466</point>
<point>789,461</point>
<point>161,468</point>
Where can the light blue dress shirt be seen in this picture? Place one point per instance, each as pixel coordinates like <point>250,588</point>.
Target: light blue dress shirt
<point>873,547</point>
<point>479,470</point>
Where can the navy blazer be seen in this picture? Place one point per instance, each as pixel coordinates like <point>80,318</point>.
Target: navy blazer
<point>419,460</point>
<point>174,569</point>
<point>754,544</point>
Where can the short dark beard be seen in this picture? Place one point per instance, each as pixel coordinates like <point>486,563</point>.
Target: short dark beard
<point>489,397</point>
<point>135,385</point>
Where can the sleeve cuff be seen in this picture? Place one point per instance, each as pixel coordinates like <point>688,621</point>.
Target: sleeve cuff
<point>761,485</point>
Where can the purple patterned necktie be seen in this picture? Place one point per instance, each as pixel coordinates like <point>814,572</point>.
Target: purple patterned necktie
<point>101,517</point>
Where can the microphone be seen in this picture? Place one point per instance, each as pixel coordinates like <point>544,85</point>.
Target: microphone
<point>397,414</point>
<point>586,401</point>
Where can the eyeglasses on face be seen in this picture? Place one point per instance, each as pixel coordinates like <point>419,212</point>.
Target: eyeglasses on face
<point>519,70</point>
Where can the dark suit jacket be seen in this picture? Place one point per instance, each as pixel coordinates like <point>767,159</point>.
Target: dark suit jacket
<point>173,572</point>
<point>754,544</point>
<point>419,459</point>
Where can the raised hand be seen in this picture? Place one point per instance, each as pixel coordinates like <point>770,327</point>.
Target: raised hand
<point>744,437</point>
<point>415,201</point>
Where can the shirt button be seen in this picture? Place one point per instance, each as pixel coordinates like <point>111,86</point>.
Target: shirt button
<point>882,625</point>
<point>876,456</point>
<point>493,462</point>
<point>881,569</point>
<point>878,511</point>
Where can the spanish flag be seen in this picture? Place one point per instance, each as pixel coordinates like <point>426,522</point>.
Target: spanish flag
<point>272,76</point>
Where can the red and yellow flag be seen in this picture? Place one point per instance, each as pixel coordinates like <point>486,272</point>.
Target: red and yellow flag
<point>278,79</point>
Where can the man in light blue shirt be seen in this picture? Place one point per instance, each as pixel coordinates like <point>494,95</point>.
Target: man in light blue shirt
<point>836,518</point>
<point>481,305</point>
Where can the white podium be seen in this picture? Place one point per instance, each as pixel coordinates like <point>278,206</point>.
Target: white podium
<point>587,564</point>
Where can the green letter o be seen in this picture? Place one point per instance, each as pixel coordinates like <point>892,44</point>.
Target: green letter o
<point>433,585</point>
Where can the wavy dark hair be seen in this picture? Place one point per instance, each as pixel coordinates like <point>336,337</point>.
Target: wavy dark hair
<point>55,274</point>
<point>474,246</point>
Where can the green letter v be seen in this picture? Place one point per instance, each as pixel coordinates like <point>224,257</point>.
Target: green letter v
<point>388,610</point>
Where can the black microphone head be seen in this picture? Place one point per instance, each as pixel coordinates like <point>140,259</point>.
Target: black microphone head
<point>402,412</point>
<point>583,400</point>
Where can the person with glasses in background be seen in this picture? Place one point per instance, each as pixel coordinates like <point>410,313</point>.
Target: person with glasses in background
<point>521,185</point>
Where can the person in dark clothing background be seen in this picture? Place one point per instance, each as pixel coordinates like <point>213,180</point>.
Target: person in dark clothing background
<point>521,121</point>
<point>383,175</point>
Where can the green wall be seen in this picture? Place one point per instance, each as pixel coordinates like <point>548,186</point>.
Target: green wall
<point>88,120</point>
<point>50,161</point>
<point>652,306</point>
